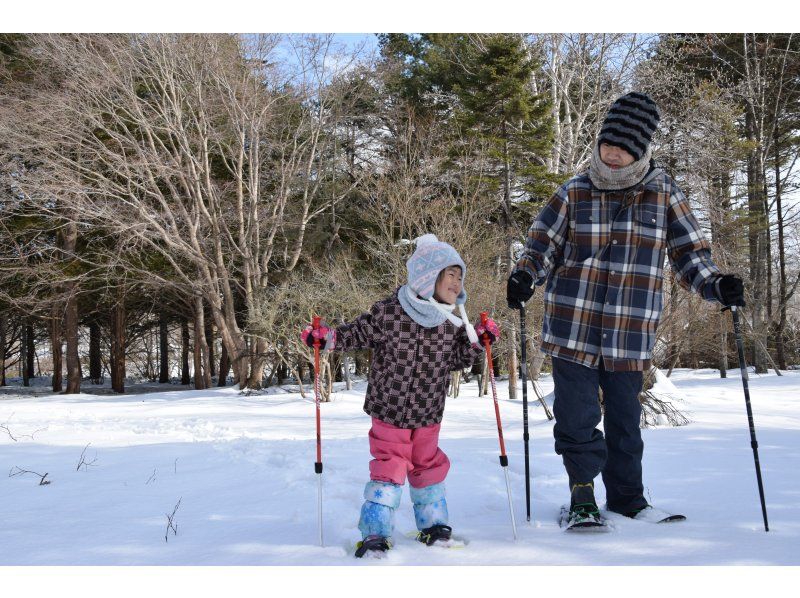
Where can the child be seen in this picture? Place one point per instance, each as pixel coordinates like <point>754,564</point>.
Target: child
<point>416,342</point>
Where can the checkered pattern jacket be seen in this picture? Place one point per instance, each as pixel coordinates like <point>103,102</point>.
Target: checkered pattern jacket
<point>411,364</point>
<point>602,256</point>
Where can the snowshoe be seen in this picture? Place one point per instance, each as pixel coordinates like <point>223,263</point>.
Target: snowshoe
<point>439,535</point>
<point>373,546</point>
<point>440,542</point>
<point>650,514</point>
<point>583,517</point>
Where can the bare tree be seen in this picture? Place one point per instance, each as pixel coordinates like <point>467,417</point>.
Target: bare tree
<point>583,74</point>
<point>196,148</point>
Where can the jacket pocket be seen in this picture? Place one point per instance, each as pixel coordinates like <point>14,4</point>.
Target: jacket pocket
<point>651,228</point>
<point>587,234</point>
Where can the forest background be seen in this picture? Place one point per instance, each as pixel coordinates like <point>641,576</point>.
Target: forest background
<point>175,207</point>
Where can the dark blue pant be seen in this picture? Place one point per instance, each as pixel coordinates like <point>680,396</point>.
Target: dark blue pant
<point>582,446</point>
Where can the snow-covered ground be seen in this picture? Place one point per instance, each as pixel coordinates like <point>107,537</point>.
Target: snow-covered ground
<point>242,468</point>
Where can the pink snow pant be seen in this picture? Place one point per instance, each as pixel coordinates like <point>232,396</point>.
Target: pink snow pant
<point>399,452</point>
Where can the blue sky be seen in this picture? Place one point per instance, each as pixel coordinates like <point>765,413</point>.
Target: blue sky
<point>354,39</point>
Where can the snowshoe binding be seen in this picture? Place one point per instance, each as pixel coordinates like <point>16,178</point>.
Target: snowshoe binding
<point>583,514</point>
<point>584,517</point>
<point>373,546</point>
<point>438,535</point>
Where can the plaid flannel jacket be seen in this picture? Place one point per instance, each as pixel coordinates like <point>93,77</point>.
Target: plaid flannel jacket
<point>411,364</point>
<point>602,255</point>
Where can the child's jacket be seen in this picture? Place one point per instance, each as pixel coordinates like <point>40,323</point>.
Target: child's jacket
<point>411,364</point>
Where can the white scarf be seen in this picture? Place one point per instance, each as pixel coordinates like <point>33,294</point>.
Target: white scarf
<point>430,313</point>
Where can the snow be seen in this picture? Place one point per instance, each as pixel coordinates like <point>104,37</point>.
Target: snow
<point>242,467</point>
<point>663,386</point>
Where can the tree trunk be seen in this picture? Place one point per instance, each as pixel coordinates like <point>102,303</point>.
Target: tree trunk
<point>782,297</point>
<point>56,341</point>
<point>238,352</point>
<point>202,375</point>
<point>346,367</point>
<point>23,354</point>
<point>512,337</point>
<point>151,349</point>
<point>212,363</point>
<point>197,359</point>
<point>71,338</point>
<point>768,247</point>
<point>719,217</point>
<point>358,365</point>
<point>537,362</point>
<point>513,363</point>
<point>674,349</point>
<point>224,366</point>
<point>205,348</point>
<point>185,378</point>
<point>478,367</point>
<point>3,332</point>
<point>258,362</point>
<point>118,347</point>
<point>163,352</point>
<point>70,243</point>
<point>336,366</point>
<point>30,350</point>
<point>56,347</point>
<point>271,375</point>
<point>327,389</point>
<point>95,360</point>
<point>485,375</point>
<point>757,236</point>
<point>723,348</point>
<point>455,384</point>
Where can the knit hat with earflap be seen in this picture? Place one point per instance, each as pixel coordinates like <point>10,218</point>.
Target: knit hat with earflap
<point>431,257</point>
<point>630,124</point>
<point>416,297</point>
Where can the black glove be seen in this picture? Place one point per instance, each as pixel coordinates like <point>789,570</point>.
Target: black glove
<point>730,290</point>
<point>519,289</point>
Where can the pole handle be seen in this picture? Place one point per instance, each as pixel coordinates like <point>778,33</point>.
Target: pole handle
<point>315,324</point>
<point>484,336</point>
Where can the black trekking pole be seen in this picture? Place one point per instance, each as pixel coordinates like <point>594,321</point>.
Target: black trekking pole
<point>753,442</point>
<point>525,435</point>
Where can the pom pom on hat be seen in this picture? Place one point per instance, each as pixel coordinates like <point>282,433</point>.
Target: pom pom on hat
<point>426,238</point>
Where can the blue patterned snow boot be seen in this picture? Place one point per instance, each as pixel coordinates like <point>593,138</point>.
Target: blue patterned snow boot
<point>430,506</point>
<point>377,513</point>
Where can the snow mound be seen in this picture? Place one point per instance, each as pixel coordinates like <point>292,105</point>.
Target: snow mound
<point>663,387</point>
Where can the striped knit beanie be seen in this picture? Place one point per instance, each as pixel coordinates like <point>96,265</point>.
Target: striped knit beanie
<point>630,124</point>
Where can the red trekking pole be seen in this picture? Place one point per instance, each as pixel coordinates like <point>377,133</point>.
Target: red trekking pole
<point>318,463</point>
<point>503,457</point>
